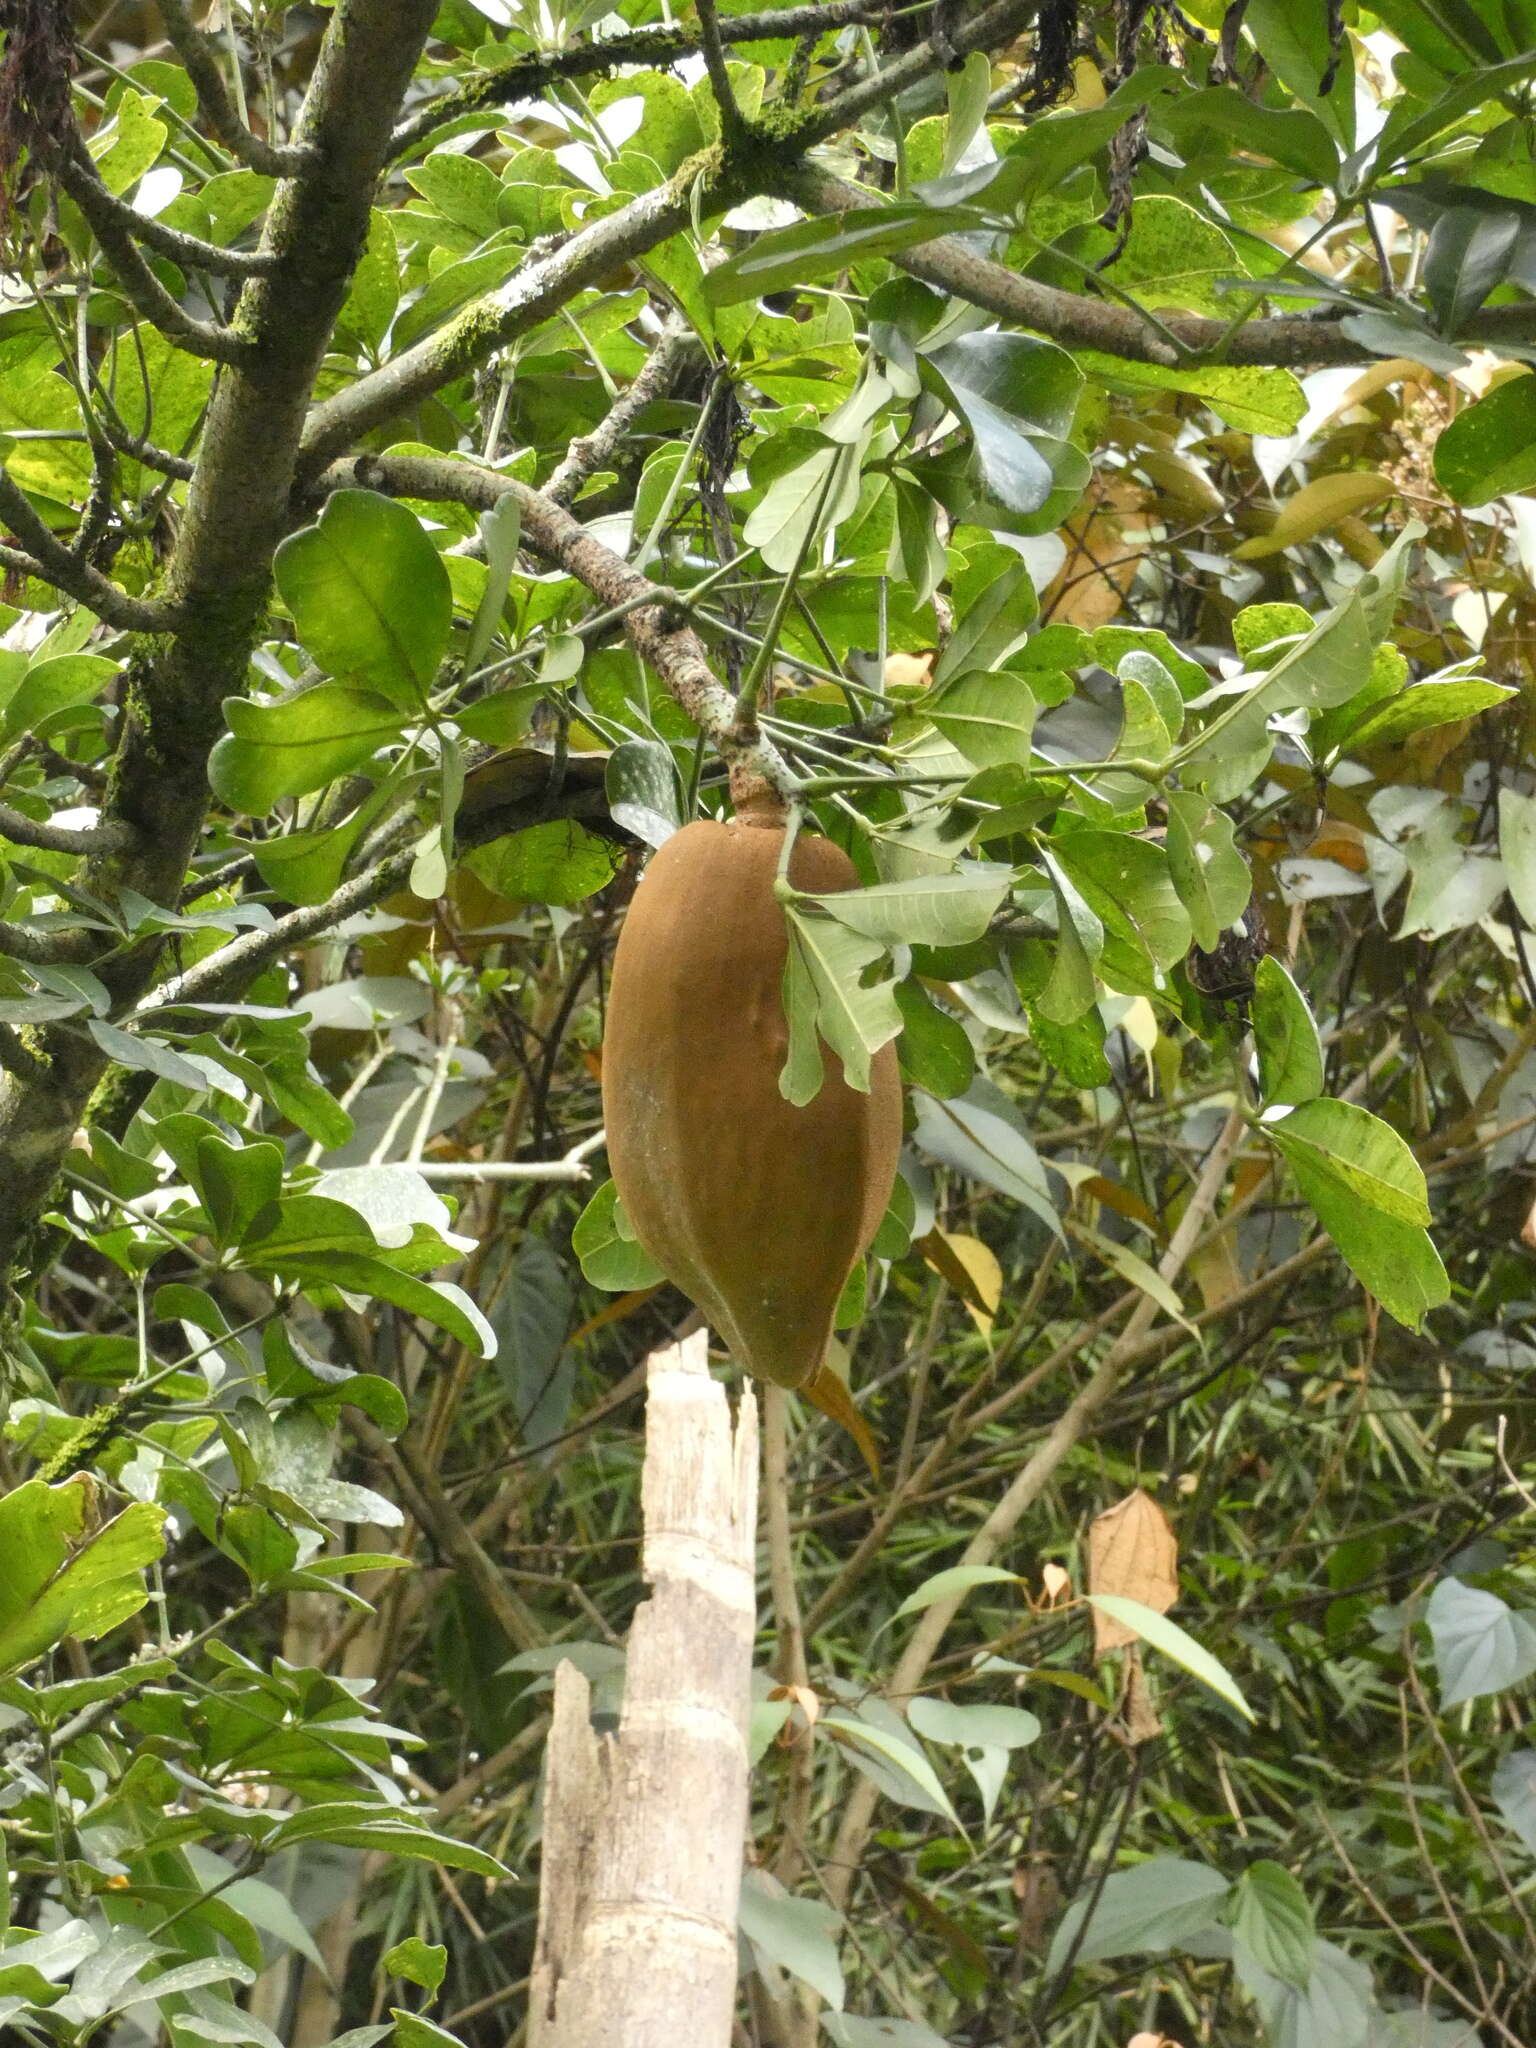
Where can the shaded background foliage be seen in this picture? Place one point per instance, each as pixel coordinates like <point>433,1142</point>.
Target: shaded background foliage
<point>263,1778</point>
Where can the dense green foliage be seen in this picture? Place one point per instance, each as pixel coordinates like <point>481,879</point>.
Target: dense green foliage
<point>1078,457</point>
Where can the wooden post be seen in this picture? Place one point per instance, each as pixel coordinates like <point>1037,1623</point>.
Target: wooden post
<point>643,1830</point>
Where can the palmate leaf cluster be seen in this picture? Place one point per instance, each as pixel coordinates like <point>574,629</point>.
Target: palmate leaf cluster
<point>1093,489</point>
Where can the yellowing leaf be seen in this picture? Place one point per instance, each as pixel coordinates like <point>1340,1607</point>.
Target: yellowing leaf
<point>970,1268</point>
<point>1319,505</point>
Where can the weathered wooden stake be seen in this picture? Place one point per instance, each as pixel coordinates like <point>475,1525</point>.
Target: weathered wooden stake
<point>643,1830</point>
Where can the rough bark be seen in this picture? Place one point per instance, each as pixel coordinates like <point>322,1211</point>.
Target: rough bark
<point>643,1830</point>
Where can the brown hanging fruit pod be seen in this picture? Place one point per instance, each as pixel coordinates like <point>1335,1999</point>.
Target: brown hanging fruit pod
<point>756,1209</point>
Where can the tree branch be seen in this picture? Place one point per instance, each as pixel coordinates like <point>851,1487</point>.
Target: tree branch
<point>658,635</point>
<point>656,376</point>
<point>52,562</point>
<point>507,793</point>
<point>218,109</point>
<point>535,291</point>
<point>1187,340</point>
<point>37,949</point>
<point>15,1058</point>
<point>531,77</point>
<point>140,285</point>
<point>21,830</point>
<point>191,252</point>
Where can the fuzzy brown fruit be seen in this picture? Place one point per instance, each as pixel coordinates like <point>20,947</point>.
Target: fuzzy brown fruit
<point>756,1209</point>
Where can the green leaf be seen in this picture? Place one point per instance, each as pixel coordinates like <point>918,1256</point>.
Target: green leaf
<point>1335,2009</point>
<point>417,1961</point>
<point>558,862</point>
<point>643,797</point>
<point>1290,1051</point>
<point>610,1259</point>
<point>995,1727</point>
<point>797,1934</point>
<point>1388,1252</point>
<point>982,1135</point>
<point>954,1579</point>
<point>1364,1156</point>
<point>934,1049</point>
<point>1167,1636</point>
<point>903,1760</point>
<point>500,532</point>
<point>1489,449</point>
<point>1152,1908</point>
<point>1269,1914</point>
<point>146,1055</point>
<point>815,248</point>
<point>369,594</point>
<point>929,910</point>
<point>1517,844</point>
<point>855,1019</point>
<point>413,2030</point>
<point>803,502</point>
<point>1072,986</point>
<point>126,147</point>
<point>58,684</point>
<point>371,1827</point>
<point>298,744</point>
<point>1467,257</point>
<point>61,1579</point>
<point>1018,396</point>
<point>988,715</point>
<point>1126,883</point>
<point>1422,707</point>
<point>1208,872</point>
<point>1482,1644</point>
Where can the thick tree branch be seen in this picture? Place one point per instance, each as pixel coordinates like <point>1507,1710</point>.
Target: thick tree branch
<point>1077,321</point>
<point>992,29</point>
<point>15,1058</point>
<point>218,109</point>
<point>53,563</point>
<point>532,294</point>
<point>38,949</point>
<point>657,634</point>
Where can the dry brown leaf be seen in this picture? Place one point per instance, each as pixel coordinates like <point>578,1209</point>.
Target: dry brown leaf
<point>1528,1234</point>
<point>1102,556</point>
<point>1131,1552</point>
<point>802,1697</point>
<point>1039,1896</point>
<point>1137,1713</point>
